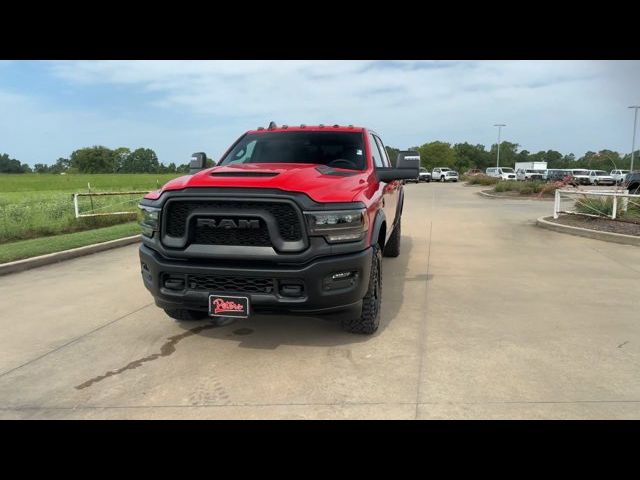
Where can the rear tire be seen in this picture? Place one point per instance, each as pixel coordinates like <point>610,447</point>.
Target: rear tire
<point>392,248</point>
<point>369,319</point>
<point>183,315</point>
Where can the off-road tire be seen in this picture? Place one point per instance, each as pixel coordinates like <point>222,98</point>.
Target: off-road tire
<point>392,248</point>
<point>183,315</point>
<point>369,319</point>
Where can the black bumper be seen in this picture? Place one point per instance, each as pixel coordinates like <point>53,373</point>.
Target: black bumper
<point>318,294</point>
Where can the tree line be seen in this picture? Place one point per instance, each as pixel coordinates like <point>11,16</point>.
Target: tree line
<point>459,156</point>
<point>465,156</point>
<point>98,159</point>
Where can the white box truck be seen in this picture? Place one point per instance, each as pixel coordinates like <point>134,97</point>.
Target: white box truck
<point>530,170</point>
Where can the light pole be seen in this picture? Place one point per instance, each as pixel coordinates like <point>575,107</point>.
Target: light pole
<point>499,125</point>
<point>633,142</point>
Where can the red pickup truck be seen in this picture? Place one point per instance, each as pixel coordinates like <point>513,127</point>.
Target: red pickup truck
<point>290,220</point>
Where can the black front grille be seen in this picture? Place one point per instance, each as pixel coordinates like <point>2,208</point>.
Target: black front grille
<point>258,237</point>
<point>285,214</point>
<point>213,283</point>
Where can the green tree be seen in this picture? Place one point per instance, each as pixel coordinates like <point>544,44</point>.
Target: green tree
<point>437,154</point>
<point>96,159</point>
<point>11,165</point>
<point>120,156</point>
<point>141,160</point>
<point>508,154</point>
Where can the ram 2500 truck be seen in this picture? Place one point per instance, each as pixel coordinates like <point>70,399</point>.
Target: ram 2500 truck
<point>290,220</point>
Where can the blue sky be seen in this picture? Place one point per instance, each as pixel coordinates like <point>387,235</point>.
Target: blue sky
<point>50,108</point>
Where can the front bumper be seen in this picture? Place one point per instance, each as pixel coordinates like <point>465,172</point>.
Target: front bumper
<point>318,294</point>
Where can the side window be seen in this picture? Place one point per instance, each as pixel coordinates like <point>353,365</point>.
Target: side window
<point>375,153</point>
<point>383,152</point>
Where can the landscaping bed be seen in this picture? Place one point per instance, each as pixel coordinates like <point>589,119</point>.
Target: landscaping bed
<point>599,224</point>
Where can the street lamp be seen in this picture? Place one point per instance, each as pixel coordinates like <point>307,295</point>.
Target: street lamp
<point>633,142</point>
<point>500,125</point>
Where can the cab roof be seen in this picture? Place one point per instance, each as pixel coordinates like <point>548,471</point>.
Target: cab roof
<point>313,128</point>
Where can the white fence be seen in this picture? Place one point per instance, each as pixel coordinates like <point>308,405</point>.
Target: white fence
<point>107,203</point>
<point>595,203</point>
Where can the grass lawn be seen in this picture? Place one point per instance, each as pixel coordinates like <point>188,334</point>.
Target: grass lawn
<point>39,205</point>
<point>41,246</point>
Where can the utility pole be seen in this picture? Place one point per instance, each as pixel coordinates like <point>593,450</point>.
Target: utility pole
<point>633,142</point>
<point>500,125</point>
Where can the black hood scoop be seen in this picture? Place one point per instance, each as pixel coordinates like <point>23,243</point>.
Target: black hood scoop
<point>244,174</point>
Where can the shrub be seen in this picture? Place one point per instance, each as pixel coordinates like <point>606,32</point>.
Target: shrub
<point>481,180</point>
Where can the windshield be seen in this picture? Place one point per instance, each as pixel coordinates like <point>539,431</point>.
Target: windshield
<point>335,149</point>
<point>507,170</point>
<point>601,172</point>
<point>579,172</point>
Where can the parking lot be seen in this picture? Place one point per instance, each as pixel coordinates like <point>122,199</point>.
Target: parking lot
<point>484,315</point>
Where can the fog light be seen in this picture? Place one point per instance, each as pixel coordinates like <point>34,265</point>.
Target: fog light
<point>341,275</point>
<point>340,280</point>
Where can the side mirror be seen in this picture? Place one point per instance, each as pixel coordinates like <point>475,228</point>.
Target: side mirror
<point>198,162</point>
<point>407,167</point>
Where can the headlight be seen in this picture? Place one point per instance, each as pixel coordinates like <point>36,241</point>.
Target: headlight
<point>338,226</point>
<point>149,222</point>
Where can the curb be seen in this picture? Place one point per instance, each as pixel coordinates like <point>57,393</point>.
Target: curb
<point>542,222</point>
<point>485,193</point>
<point>29,263</point>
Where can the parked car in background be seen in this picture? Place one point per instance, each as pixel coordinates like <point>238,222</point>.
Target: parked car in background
<point>556,174</point>
<point>528,174</point>
<point>504,173</point>
<point>424,175</point>
<point>473,172</point>
<point>581,176</point>
<point>618,175</point>
<point>444,174</point>
<point>632,182</point>
<point>600,177</point>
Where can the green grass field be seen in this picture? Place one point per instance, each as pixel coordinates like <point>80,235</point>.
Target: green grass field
<point>39,205</point>
<point>10,252</point>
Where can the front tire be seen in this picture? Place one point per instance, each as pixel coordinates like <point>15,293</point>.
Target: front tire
<point>369,319</point>
<point>442,179</point>
<point>183,315</point>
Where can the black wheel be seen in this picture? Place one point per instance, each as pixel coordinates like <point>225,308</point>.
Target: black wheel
<point>428,180</point>
<point>392,248</point>
<point>369,319</point>
<point>183,315</point>
<point>442,179</point>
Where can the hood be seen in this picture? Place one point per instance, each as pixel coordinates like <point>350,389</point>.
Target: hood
<point>320,183</point>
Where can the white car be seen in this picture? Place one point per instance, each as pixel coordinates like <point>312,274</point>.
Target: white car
<point>527,174</point>
<point>600,177</point>
<point>444,174</point>
<point>504,173</point>
<point>618,175</point>
<point>581,176</point>
<point>424,175</point>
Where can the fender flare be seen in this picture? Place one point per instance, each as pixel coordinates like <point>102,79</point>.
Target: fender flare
<point>377,225</point>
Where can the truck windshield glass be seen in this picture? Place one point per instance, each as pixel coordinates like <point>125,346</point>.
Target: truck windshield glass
<point>507,170</point>
<point>334,149</point>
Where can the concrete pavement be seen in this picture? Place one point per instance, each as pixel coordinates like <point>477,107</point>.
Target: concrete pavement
<point>484,316</point>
